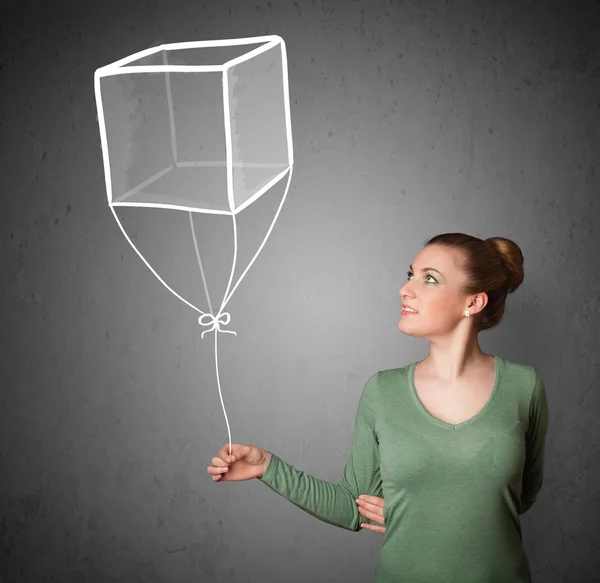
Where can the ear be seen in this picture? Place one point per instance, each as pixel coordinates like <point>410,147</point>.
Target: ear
<point>478,303</point>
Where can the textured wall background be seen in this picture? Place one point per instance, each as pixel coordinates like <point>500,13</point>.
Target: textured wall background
<point>409,119</point>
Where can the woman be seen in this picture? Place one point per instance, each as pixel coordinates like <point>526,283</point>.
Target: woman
<point>455,441</point>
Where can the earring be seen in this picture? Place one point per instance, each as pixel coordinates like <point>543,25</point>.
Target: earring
<point>467,313</point>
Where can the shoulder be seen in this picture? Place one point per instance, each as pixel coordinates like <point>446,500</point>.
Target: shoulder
<point>387,378</point>
<point>518,370</point>
<point>524,379</point>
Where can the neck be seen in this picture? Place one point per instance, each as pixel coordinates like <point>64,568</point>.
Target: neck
<point>453,358</point>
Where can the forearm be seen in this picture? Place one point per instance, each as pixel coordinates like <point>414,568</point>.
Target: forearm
<point>332,503</point>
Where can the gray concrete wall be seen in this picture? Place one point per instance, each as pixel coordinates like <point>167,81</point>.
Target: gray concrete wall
<point>410,119</point>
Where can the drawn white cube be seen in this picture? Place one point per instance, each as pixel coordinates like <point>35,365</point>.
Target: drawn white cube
<point>199,126</point>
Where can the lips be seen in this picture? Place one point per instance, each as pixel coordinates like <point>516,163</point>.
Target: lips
<point>406,306</point>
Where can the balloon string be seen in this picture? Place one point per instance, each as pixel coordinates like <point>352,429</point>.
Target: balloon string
<point>200,262</point>
<point>221,318</point>
<point>224,317</point>
<point>287,187</point>
<point>148,264</point>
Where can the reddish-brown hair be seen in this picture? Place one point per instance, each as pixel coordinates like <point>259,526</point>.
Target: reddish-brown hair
<point>493,266</point>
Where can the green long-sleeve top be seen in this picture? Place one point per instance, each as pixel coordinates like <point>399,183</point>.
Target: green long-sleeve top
<point>452,493</point>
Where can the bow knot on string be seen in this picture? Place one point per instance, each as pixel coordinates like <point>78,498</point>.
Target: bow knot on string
<point>215,322</point>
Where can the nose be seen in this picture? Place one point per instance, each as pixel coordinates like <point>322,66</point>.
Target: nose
<point>403,290</point>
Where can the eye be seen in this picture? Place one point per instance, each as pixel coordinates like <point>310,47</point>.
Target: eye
<point>428,275</point>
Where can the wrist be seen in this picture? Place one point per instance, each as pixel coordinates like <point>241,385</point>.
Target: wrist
<point>266,459</point>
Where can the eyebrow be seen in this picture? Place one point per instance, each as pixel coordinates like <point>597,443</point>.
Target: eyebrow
<point>428,269</point>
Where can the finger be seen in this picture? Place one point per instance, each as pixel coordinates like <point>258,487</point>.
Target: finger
<point>235,453</point>
<point>370,515</point>
<point>367,507</point>
<point>376,514</point>
<point>373,527</point>
<point>375,500</point>
<point>217,470</point>
<point>217,461</point>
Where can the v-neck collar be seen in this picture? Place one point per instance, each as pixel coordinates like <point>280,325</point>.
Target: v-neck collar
<point>499,367</point>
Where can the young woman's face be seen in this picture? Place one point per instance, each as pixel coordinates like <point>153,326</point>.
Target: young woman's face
<point>433,289</point>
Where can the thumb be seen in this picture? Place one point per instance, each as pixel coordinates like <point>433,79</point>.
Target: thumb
<point>237,450</point>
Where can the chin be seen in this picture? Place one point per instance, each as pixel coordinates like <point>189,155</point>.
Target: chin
<point>408,333</point>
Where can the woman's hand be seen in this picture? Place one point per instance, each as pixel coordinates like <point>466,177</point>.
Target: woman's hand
<point>371,507</point>
<point>246,463</point>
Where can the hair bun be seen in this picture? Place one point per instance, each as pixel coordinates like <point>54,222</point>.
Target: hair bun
<point>512,258</point>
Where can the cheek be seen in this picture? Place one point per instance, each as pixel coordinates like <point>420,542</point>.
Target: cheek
<point>442,311</point>
<point>440,305</point>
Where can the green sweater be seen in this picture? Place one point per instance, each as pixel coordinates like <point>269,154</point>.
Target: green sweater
<point>452,493</point>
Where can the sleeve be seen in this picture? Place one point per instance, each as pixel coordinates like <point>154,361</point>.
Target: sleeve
<point>336,503</point>
<point>535,445</point>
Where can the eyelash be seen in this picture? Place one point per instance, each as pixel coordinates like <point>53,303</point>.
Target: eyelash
<point>409,273</point>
